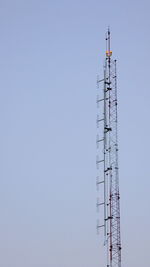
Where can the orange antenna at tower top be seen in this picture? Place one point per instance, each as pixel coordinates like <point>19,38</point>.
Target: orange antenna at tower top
<point>108,50</point>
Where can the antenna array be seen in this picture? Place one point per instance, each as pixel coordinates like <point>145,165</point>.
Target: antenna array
<point>107,159</point>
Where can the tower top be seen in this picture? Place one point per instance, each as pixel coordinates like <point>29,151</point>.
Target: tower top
<point>108,50</point>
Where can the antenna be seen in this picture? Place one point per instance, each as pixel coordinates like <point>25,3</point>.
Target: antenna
<point>107,159</point>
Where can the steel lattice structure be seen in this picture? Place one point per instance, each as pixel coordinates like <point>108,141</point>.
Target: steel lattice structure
<point>107,159</point>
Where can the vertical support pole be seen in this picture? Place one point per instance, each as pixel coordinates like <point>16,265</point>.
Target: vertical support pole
<point>111,173</point>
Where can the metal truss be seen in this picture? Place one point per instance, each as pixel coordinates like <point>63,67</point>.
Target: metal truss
<point>107,159</point>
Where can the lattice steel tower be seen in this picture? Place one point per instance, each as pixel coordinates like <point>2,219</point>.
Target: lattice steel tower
<point>107,159</point>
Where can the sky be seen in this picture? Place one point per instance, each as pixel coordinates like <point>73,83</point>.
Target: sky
<point>50,55</point>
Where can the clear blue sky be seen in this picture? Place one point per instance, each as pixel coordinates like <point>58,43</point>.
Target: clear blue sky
<point>50,55</point>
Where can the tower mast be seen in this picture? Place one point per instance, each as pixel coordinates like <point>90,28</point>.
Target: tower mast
<point>107,159</point>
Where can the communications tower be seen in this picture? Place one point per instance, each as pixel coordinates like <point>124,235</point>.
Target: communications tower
<point>108,201</point>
